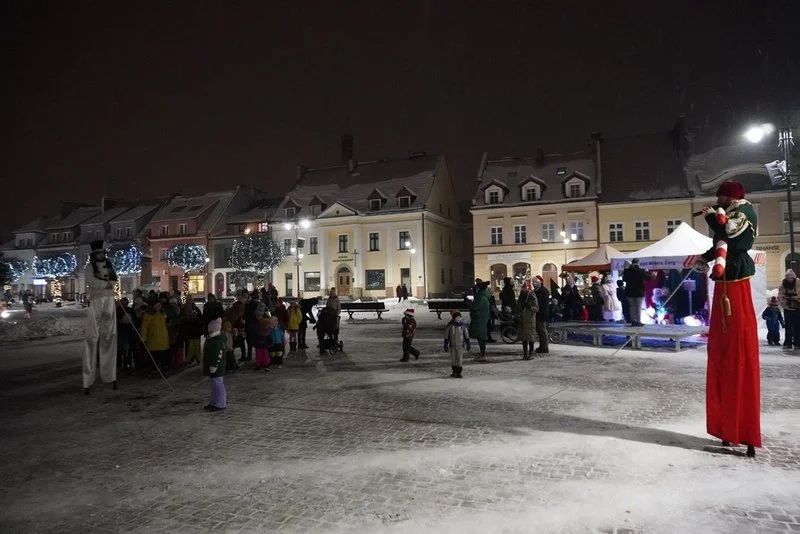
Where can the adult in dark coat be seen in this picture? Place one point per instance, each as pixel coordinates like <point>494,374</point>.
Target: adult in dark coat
<point>507,297</point>
<point>635,278</point>
<point>251,326</point>
<point>571,301</point>
<point>307,308</point>
<point>543,296</point>
<point>596,307</point>
<point>623,299</point>
<point>479,319</point>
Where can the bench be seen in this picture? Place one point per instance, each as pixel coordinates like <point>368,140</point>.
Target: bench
<point>358,307</point>
<point>445,305</point>
<point>597,331</point>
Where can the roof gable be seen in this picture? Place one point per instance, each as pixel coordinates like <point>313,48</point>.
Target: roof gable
<point>497,183</point>
<point>377,194</point>
<point>338,209</point>
<point>576,174</point>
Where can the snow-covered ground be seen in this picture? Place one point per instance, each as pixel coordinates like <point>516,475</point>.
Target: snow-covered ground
<point>579,441</point>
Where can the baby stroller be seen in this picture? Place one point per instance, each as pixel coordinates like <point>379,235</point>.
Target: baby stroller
<point>327,328</point>
<point>509,325</point>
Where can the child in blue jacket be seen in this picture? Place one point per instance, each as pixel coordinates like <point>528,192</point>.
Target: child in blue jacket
<point>774,320</point>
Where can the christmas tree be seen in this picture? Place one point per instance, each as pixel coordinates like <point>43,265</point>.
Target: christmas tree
<point>256,254</point>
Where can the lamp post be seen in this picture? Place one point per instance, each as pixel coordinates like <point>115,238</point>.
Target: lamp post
<point>411,252</point>
<point>206,283</point>
<point>298,245</point>
<point>567,240</point>
<point>785,141</point>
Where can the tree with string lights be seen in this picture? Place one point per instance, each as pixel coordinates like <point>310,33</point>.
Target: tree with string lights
<point>190,258</point>
<point>6,275</point>
<point>256,254</point>
<point>54,268</point>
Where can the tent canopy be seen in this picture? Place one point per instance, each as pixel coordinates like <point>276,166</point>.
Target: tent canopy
<point>597,260</point>
<point>678,250</point>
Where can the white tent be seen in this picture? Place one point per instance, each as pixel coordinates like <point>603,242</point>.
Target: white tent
<point>597,260</point>
<point>680,249</point>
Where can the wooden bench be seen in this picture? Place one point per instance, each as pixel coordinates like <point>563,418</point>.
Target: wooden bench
<point>358,307</point>
<point>445,305</point>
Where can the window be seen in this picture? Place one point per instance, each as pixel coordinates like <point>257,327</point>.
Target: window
<point>615,233</point>
<point>289,212</point>
<point>511,175</point>
<point>316,209</point>
<point>263,227</point>
<point>672,225</point>
<point>374,204</point>
<point>117,233</point>
<point>287,247</point>
<point>163,253</point>
<point>183,229</point>
<point>289,292</point>
<point>496,235</point>
<point>374,241</point>
<point>404,237</point>
<point>403,202</point>
<point>342,243</point>
<point>642,230</point>
<point>548,232</point>
<point>67,237</point>
<point>494,197</point>
<point>576,229</point>
<point>375,279</point>
<point>575,190</point>
<point>441,243</point>
<point>128,232</point>
<point>530,193</point>
<point>520,234</point>
<point>54,238</point>
<point>164,231</point>
<point>450,244</point>
<point>442,276</point>
<point>313,245</point>
<point>312,281</point>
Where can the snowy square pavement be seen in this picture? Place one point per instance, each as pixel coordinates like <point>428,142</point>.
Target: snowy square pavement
<point>573,442</point>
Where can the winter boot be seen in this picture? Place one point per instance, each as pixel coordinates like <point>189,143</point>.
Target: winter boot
<point>751,451</point>
<point>454,374</point>
<point>114,385</point>
<point>404,358</point>
<point>87,391</point>
<point>458,371</point>
<point>525,353</point>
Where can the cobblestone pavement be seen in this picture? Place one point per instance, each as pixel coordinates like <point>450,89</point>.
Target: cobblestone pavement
<point>359,442</point>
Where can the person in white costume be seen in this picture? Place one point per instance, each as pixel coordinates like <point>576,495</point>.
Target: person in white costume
<point>101,323</point>
<point>612,307</point>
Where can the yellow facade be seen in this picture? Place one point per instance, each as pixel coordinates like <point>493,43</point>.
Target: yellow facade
<point>544,251</point>
<point>653,218</point>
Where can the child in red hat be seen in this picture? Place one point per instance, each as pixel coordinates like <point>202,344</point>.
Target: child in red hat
<point>409,329</point>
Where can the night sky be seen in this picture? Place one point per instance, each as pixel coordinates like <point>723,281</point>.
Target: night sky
<point>140,98</point>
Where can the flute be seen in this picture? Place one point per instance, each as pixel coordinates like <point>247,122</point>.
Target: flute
<point>699,213</point>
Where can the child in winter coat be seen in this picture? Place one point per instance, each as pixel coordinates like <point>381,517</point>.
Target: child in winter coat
<point>230,359</point>
<point>772,314</point>
<point>263,341</point>
<point>456,339</point>
<point>277,342</point>
<point>214,365</point>
<point>295,316</point>
<point>409,329</point>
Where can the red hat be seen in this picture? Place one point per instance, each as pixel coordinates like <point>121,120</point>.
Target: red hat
<point>539,278</point>
<point>595,279</point>
<point>731,189</point>
<point>409,311</point>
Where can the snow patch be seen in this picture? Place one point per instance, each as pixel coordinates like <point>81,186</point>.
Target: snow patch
<point>36,328</point>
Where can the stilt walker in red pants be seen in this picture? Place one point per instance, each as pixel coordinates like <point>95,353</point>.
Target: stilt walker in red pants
<point>733,386</point>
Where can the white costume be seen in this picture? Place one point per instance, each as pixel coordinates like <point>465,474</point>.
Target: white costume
<point>612,307</point>
<point>101,323</point>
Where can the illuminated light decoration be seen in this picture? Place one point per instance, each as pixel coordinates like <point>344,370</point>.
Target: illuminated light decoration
<point>54,268</point>
<point>125,259</point>
<point>256,254</point>
<point>55,290</point>
<point>16,268</point>
<point>190,258</point>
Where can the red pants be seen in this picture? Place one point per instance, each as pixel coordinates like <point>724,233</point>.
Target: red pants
<point>733,381</point>
<point>262,358</point>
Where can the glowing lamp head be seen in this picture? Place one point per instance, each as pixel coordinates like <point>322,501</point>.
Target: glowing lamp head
<point>293,250</point>
<point>305,223</point>
<point>566,241</point>
<point>756,133</point>
<point>288,226</point>
<point>408,243</point>
<point>413,251</point>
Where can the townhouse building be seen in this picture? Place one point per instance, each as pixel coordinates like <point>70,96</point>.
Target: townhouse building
<point>22,248</point>
<point>366,227</point>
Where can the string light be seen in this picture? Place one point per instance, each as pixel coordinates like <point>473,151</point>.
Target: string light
<point>189,258</point>
<point>55,268</point>
<point>17,268</point>
<point>255,254</point>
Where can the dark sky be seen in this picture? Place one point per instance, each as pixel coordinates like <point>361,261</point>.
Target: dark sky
<point>138,99</point>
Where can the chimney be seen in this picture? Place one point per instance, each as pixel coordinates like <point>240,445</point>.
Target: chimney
<point>540,156</point>
<point>300,171</point>
<point>348,150</point>
<point>482,167</point>
<point>598,160</point>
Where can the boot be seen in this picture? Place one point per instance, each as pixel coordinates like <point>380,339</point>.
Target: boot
<point>751,451</point>
<point>525,354</point>
<point>87,391</point>
<point>458,372</point>
<point>404,358</point>
<point>114,385</point>
<point>454,374</point>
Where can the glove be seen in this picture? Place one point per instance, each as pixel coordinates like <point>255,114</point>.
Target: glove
<point>447,346</point>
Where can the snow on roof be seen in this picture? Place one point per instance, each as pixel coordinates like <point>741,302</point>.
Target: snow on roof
<point>135,213</point>
<point>338,184</point>
<point>262,211</point>
<point>36,225</point>
<point>182,208</point>
<point>106,216</point>
<point>75,218</point>
<point>552,172</point>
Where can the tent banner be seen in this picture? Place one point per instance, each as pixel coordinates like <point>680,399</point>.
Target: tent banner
<point>658,263</point>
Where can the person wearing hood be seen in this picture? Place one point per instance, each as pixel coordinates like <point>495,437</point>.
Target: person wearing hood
<point>456,341</point>
<point>479,318</point>
<point>772,315</point>
<point>409,330</point>
<point>507,297</point>
<point>789,298</point>
<point>214,366</point>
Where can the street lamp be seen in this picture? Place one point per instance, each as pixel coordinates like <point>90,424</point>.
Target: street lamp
<point>411,251</point>
<point>572,237</point>
<point>756,134</point>
<point>206,285</point>
<point>298,245</point>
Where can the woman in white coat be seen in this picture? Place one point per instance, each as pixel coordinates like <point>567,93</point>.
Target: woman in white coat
<point>612,307</point>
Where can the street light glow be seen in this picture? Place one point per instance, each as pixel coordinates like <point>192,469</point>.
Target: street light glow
<point>574,237</point>
<point>408,243</point>
<point>566,241</point>
<point>305,223</point>
<point>293,250</point>
<point>413,251</point>
<point>288,226</point>
<point>755,134</point>
<point>300,256</point>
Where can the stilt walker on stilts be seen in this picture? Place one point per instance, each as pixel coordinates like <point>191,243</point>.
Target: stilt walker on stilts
<point>101,322</point>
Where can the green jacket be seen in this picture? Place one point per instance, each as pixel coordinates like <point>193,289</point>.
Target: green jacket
<point>479,315</point>
<point>740,232</point>
<point>214,355</point>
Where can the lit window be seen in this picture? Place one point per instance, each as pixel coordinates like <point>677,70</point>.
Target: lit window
<point>520,234</point>
<point>403,238</point>
<point>642,230</point>
<point>496,235</point>
<point>548,232</point>
<point>287,247</point>
<point>263,227</point>
<point>615,233</point>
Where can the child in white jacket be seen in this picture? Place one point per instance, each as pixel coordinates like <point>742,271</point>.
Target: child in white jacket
<point>456,339</point>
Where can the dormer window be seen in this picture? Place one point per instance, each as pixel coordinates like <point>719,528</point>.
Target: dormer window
<point>290,212</point>
<point>575,190</point>
<point>375,204</point>
<point>494,197</point>
<point>575,185</point>
<point>263,227</point>
<point>531,193</point>
<point>316,209</point>
<point>403,202</point>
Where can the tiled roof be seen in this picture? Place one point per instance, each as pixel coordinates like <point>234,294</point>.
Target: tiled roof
<point>642,167</point>
<point>551,171</point>
<point>36,225</point>
<point>262,211</point>
<point>192,207</point>
<point>107,215</point>
<point>338,184</point>
<point>135,213</point>
<point>75,218</point>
